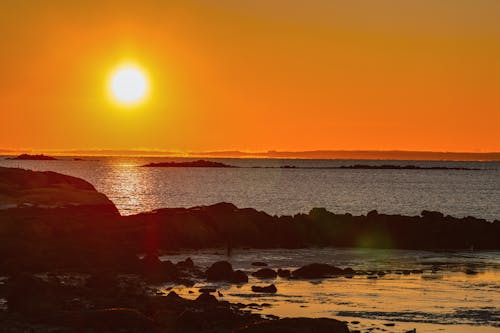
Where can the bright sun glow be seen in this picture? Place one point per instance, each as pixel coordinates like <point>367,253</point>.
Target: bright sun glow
<point>129,85</point>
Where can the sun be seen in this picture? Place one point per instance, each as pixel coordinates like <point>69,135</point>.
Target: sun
<point>129,85</point>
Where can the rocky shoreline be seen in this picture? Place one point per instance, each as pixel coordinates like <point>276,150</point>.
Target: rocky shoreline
<point>48,218</point>
<point>74,263</point>
<point>104,300</point>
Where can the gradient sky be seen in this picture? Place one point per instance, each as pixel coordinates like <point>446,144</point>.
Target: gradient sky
<point>253,74</point>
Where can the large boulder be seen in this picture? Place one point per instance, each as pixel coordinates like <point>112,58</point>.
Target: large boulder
<point>265,273</point>
<point>259,263</point>
<point>156,270</point>
<point>223,271</point>
<point>239,277</point>
<point>220,271</point>
<point>266,289</point>
<point>207,298</point>
<point>284,273</point>
<point>297,325</point>
<point>317,271</point>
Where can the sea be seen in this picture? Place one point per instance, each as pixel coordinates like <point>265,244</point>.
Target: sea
<point>265,185</point>
<point>446,297</point>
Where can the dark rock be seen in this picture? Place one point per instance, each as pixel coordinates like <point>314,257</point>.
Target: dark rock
<point>207,298</point>
<point>220,271</point>
<point>174,296</point>
<point>265,273</point>
<point>259,263</point>
<point>284,273</point>
<point>470,271</point>
<point>207,290</point>
<point>266,289</point>
<point>239,277</point>
<point>156,270</point>
<point>317,271</point>
<point>349,271</point>
<point>223,271</point>
<point>431,215</point>
<point>297,325</point>
<point>210,318</point>
<point>186,264</point>
<point>25,188</point>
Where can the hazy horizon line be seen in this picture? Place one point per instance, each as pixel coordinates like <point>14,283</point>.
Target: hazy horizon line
<point>274,154</point>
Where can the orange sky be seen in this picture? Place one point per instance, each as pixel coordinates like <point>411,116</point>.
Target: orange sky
<point>253,74</point>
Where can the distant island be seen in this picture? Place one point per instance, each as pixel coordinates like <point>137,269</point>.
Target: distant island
<point>29,157</point>
<point>402,167</point>
<point>376,167</point>
<point>190,164</point>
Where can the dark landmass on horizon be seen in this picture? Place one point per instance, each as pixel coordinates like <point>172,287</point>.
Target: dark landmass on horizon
<point>28,157</point>
<point>189,164</point>
<point>401,155</point>
<point>404,167</point>
<point>212,164</point>
<point>376,167</point>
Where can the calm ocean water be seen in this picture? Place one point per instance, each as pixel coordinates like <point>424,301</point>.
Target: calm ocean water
<point>289,191</point>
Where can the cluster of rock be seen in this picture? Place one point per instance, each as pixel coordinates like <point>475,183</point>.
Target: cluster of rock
<point>107,301</point>
<point>120,305</point>
<point>224,223</point>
